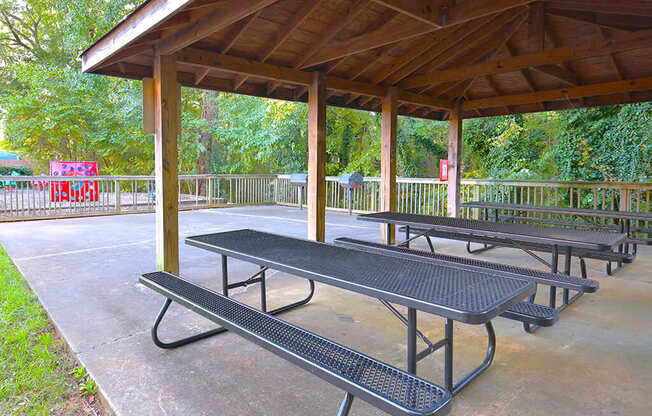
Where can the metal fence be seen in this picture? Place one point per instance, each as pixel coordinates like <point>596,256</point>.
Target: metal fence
<point>23,197</point>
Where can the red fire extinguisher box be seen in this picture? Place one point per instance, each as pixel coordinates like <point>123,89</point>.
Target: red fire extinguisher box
<point>443,169</point>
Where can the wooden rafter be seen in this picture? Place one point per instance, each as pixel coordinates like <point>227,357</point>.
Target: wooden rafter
<point>439,49</point>
<point>622,7</point>
<point>525,75</point>
<point>427,43</point>
<point>142,22</point>
<point>553,56</point>
<point>392,31</point>
<point>619,22</point>
<point>607,88</point>
<point>206,59</point>
<point>480,46</point>
<point>439,17</point>
<point>238,30</point>
<point>342,22</point>
<point>224,15</point>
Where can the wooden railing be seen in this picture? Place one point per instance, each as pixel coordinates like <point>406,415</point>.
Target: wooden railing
<point>30,197</point>
<point>23,197</point>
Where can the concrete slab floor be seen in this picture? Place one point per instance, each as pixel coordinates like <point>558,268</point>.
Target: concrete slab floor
<point>596,360</point>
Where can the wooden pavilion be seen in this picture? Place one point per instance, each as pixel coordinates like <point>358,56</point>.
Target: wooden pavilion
<point>434,59</point>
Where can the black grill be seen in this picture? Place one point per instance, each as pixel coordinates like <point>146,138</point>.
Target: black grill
<point>406,393</point>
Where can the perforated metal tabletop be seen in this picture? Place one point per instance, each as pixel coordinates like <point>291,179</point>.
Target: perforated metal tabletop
<point>591,240</point>
<point>466,296</point>
<point>645,216</point>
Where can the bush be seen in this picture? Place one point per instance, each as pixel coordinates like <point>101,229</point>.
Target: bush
<point>23,170</point>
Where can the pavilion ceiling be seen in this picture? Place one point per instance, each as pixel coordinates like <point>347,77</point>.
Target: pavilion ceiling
<point>489,57</point>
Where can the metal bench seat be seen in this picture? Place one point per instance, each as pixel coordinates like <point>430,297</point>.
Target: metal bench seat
<point>386,387</point>
<point>546,278</point>
<point>523,311</point>
<point>489,242</point>
<point>533,314</point>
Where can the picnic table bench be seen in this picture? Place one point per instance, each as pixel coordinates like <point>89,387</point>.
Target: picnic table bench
<point>454,294</point>
<point>532,315</point>
<point>384,386</point>
<point>529,238</point>
<point>516,212</point>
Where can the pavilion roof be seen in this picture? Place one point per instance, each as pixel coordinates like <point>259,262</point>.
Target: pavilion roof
<point>490,57</point>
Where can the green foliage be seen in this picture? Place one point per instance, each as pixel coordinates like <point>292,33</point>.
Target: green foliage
<point>23,170</point>
<point>52,111</point>
<point>606,143</point>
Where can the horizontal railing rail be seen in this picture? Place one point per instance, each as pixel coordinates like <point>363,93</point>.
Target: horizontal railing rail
<point>31,197</point>
<point>26,197</point>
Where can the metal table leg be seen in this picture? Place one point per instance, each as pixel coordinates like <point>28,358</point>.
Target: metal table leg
<point>345,407</point>
<point>258,277</point>
<point>407,236</point>
<point>412,341</point>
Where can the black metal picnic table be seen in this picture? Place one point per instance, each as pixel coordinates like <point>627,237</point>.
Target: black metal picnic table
<point>518,235</point>
<point>455,294</point>
<point>624,218</point>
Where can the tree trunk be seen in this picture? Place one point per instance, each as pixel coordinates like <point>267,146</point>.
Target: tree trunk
<point>208,113</point>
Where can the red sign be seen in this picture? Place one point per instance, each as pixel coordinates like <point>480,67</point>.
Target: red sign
<point>73,190</point>
<point>443,170</point>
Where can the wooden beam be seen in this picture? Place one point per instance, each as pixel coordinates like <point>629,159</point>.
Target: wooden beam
<point>126,54</point>
<point>536,26</point>
<point>224,15</point>
<point>427,11</point>
<point>635,41</point>
<point>206,59</point>
<point>343,21</point>
<point>201,74</point>
<point>622,7</point>
<point>285,33</point>
<point>484,43</point>
<point>394,31</point>
<point>167,118</point>
<point>525,74</point>
<point>317,158</point>
<point>607,88</point>
<point>139,23</point>
<point>456,45</point>
<point>388,162</point>
<point>454,161</point>
<point>238,30</point>
<point>557,72</point>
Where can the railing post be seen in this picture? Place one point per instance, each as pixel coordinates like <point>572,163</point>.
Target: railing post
<point>209,192</point>
<point>625,196</point>
<point>116,192</point>
<point>276,190</point>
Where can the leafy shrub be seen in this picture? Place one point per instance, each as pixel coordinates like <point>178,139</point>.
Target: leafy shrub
<point>23,170</point>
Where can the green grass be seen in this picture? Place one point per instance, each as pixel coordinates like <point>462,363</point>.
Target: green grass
<point>37,375</point>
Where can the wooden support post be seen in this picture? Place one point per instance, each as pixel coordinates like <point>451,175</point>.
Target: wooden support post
<point>166,119</point>
<point>317,157</point>
<point>388,159</point>
<point>454,161</point>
